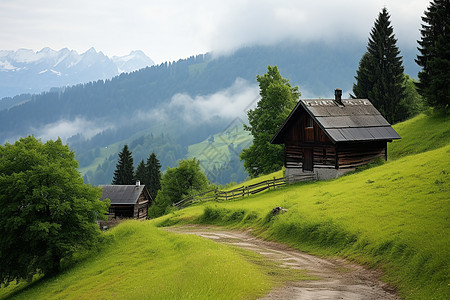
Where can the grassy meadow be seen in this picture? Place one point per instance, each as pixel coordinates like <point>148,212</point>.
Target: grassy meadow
<point>394,216</point>
<point>140,261</point>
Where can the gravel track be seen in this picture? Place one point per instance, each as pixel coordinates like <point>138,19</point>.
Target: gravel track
<point>337,278</point>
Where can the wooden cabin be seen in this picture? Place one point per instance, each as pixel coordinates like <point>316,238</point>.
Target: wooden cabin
<point>329,137</point>
<point>127,201</point>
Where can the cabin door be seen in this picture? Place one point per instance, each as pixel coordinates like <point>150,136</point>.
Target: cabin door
<point>307,159</point>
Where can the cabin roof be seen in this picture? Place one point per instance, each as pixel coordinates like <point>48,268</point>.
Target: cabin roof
<point>123,194</point>
<point>353,120</point>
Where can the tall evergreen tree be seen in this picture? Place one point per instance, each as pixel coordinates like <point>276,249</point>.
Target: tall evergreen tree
<point>278,98</point>
<point>363,84</point>
<point>153,167</point>
<point>124,174</point>
<point>141,173</point>
<point>380,75</point>
<point>434,56</point>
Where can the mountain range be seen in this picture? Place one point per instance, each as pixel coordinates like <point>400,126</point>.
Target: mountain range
<point>27,71</point>
<point>167,108</point>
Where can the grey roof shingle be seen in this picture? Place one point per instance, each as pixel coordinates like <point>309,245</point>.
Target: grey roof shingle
<point>122,194</point>
<point>356,120</point>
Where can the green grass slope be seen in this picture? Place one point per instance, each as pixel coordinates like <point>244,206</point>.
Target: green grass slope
<point>394,216</point>
<point>141,261</point>
<point>221,148</point>
<point>420,134</point>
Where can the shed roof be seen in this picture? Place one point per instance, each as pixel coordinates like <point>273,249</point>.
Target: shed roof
<point>355,120</point>
<point>122,194</point>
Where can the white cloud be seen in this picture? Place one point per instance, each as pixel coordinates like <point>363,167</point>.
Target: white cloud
<point>173,29</point>
<point>67,128</point>
<point>227,104</point>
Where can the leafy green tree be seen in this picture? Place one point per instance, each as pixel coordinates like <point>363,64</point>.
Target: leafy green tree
<point>178,183</point>
<point>46,211</point>
<point>124,175</point>
<point>380,74</point>
<point>412,101</point>
<point>278,98</point>
<point>434,56</point>
<point>154,175</point>
<point>141,173</point>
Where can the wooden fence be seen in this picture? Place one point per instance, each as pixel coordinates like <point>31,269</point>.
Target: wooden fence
<point>242,191</point>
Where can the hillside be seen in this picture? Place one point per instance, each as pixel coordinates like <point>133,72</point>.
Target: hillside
<point>191,99</point>
<point>156,265</point>
<point>393,216</point>
<point>219,155</point>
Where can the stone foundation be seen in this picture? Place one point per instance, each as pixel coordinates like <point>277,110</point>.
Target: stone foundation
<point>297,174</point>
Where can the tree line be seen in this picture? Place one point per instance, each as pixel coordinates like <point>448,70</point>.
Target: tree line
<point>148,173</point>
<point>177,182</point>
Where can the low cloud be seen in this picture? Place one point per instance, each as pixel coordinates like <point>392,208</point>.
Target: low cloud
<point>228,104</point>
<point>64,129</point>
<point>225,104</point>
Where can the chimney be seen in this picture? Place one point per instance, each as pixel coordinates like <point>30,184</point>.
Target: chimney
<point>337,96</point>
<point>138,183</point>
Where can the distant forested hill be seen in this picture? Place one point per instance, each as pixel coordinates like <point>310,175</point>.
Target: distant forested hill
<point>98,114</point>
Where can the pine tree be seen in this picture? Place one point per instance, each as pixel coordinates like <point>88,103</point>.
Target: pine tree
<point>124,174</point>
<point>278,98</point>
<point>380,75</point>
<point>142,173</point>
<point>153,167</point>
<point>434,56</point>
<point>362,86</point>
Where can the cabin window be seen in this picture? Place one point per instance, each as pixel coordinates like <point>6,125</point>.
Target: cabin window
<point>309,122</point>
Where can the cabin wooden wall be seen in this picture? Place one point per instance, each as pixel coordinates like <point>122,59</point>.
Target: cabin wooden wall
<point>299,134</point>
<point>300,137</point>
<point>121,210</point>
<point>141,211</point>
<point>353,155</point>
<point>325,153</point>
<point>141,207</point>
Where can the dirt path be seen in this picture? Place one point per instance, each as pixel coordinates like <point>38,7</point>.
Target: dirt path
<point>338,279</point>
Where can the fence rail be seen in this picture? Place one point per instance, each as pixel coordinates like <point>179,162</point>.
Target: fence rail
<point>245,190</point>
<point>242,191</point>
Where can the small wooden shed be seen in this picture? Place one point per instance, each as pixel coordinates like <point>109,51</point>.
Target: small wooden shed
<point>332,136</point>
<point>127,201</point>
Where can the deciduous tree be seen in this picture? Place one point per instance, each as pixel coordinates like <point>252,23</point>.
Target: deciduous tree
<point>177,183</point>
<point>46,211</point>
<point>278,98</point>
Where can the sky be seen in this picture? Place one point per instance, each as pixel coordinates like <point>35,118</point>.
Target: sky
<point>172,29</point>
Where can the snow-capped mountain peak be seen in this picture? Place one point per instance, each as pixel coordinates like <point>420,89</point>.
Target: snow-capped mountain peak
<point>133,61</point>
<point>27,71</point>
